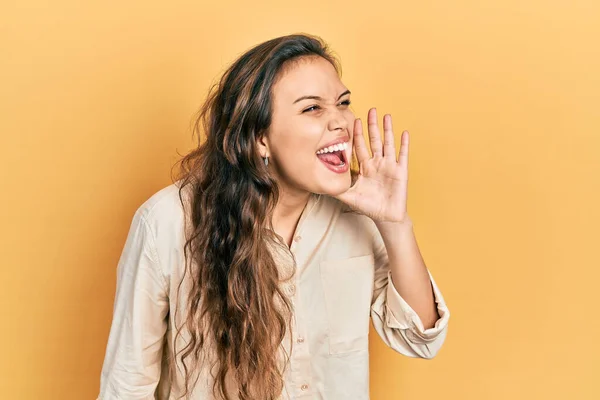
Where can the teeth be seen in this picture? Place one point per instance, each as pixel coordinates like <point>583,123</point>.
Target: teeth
<point>335,147</point>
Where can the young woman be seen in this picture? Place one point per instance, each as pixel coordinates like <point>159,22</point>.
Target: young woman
<point>256,273</point>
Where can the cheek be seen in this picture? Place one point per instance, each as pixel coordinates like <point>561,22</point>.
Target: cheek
<point>350,115</point>
<point>350,118</point>
<point>302,140</point>
<point>297,157</point>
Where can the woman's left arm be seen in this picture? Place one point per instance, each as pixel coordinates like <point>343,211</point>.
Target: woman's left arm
<point>410,276</point>
<point>401,304</point>
<point>408,310</point>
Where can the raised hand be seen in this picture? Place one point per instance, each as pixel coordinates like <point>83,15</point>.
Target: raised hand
<point>380,192</point>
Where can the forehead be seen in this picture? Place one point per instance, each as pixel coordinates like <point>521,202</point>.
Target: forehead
<point>308,76</point>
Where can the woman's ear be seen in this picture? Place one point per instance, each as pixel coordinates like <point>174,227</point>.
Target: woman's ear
<point>262,143</point>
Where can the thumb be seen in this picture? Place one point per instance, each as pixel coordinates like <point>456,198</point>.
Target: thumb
<point>347,197</point>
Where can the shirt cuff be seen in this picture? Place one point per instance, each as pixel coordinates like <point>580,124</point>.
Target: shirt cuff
<point>400,314</point>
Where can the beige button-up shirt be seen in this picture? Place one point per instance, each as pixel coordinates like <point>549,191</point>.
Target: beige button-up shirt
<point>342,282</point>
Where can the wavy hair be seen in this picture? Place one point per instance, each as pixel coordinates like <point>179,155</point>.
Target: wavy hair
<point>235,299</point>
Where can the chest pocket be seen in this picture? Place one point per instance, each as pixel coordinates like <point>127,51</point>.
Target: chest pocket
<point>348,289</point>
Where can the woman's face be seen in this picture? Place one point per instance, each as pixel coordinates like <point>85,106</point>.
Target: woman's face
<point>310,111</point>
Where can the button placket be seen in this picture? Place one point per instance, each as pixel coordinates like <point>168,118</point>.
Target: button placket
<point>301,366</point>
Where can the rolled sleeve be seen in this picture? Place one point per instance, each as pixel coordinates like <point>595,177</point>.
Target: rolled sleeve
<point>400,315</point>
<point>395,321</point>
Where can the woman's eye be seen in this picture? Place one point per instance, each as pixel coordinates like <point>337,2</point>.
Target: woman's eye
<point>310,108</point>
<point>345,102</point>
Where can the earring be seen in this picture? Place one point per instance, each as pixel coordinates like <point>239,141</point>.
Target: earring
<point>266,160</point>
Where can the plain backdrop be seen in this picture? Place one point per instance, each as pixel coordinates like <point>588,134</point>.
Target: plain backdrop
<point>502,102</point>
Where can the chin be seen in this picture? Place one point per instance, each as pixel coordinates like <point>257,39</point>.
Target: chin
<point>335,185</point>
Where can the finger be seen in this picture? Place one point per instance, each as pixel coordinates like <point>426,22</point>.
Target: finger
<point>360,146</point>
<point>374,135</point>
<point>403,156</point>
<point>389,149</point>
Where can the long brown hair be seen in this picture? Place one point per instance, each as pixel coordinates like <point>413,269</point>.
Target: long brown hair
<point>235,300</point>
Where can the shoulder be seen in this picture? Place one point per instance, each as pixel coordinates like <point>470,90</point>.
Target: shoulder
<point>162,207</point>
<point>164,215</point>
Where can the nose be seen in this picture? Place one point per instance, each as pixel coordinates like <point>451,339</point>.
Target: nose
<point>337,121</point>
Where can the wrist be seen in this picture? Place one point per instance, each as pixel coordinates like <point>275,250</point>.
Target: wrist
<point>395,229</point>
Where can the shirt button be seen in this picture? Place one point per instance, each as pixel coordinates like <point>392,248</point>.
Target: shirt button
<point>304,387</point>
<point>297,238</point>
<point>300,340</point>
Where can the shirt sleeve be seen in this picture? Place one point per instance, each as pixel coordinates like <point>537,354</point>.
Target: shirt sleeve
<point>393,318</point>
<point>132,362</point>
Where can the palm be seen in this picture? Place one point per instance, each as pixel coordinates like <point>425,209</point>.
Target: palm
<point>380,192</point>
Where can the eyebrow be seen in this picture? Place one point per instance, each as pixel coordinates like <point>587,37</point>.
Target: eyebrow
<point>318,97</point>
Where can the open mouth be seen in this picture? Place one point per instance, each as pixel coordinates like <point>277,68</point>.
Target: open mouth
<point>334,156</point>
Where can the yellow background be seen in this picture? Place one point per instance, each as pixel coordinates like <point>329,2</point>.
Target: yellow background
<point>502,102</point>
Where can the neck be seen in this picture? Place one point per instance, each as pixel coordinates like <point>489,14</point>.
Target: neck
<point>287,213</point>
